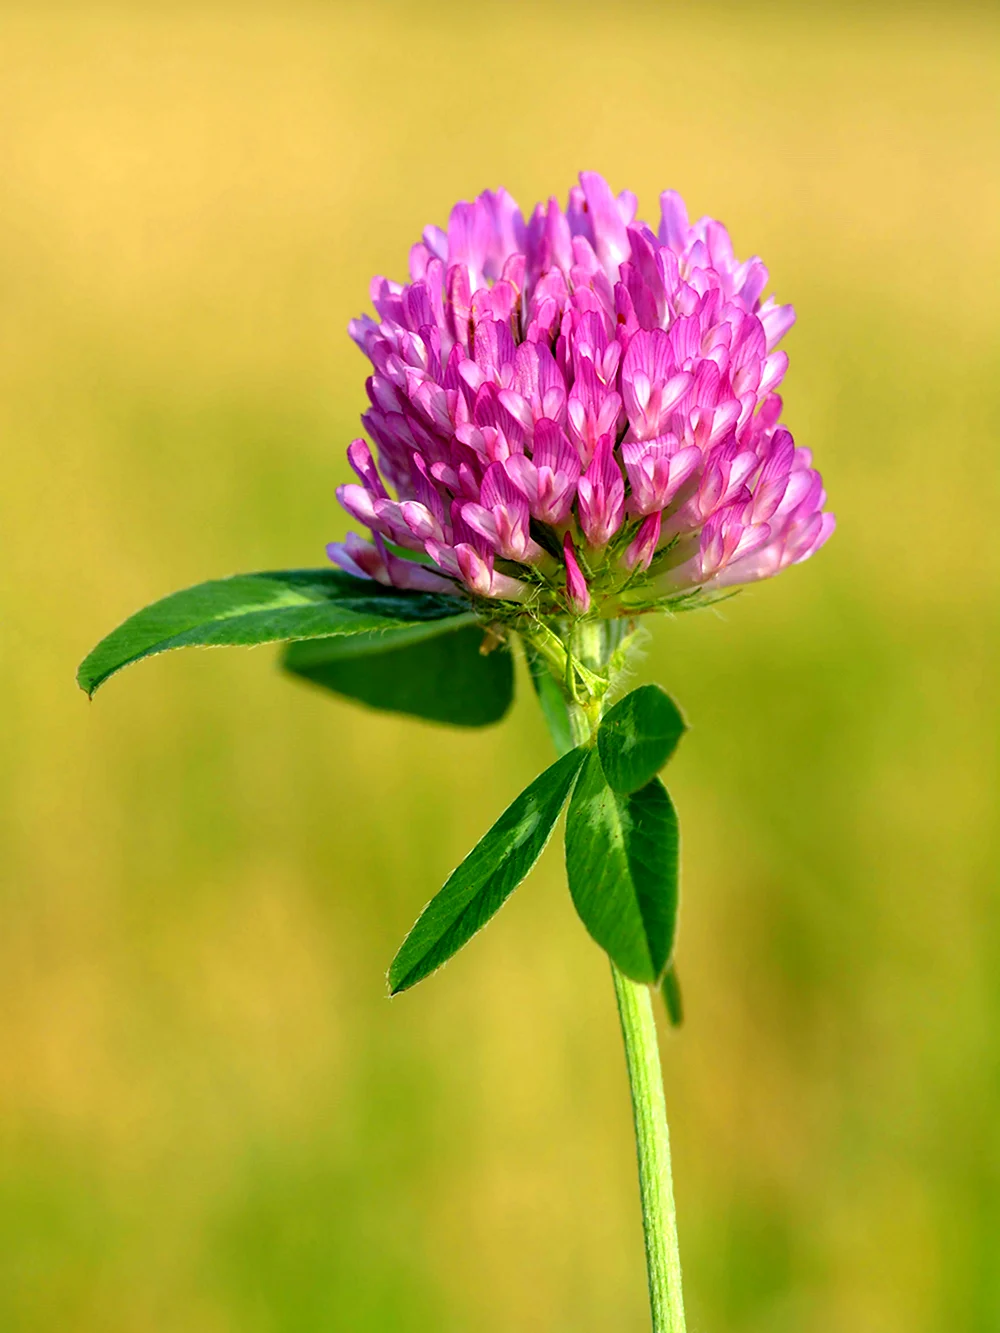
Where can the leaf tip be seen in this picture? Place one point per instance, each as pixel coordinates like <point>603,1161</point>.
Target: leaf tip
<point>86,682</point>
<point>396,979</point>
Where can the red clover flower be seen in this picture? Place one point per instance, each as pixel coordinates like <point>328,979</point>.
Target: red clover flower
<point>577,414</point>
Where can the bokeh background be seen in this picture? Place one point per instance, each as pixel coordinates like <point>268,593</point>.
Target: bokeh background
<point>212,1118</point>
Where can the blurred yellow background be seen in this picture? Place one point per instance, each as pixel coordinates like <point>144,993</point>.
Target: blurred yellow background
<point>212,1119</point>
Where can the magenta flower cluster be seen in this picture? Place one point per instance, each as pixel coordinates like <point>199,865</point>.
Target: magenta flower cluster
<point>575,409</point>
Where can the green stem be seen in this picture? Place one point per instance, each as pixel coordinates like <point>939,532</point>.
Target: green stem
<point>652,1137</point>
<point>652,1145</point>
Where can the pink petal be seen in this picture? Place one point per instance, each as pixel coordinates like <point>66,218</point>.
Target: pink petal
<point>577,592</point>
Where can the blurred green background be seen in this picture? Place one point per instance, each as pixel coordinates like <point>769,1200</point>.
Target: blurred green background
<point>212,1119</point>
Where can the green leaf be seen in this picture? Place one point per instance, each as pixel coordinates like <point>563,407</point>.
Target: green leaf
<point>638,736</point>
<point>551,700</point>
<point>261,608</point>
<point>487,877</point>
<point>670,987</point>
<point>431,671</point>
<point>621,861</point>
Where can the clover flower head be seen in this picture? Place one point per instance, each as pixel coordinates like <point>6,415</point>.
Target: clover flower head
<point>577,414</point>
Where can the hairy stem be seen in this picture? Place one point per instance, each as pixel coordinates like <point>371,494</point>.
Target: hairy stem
<point>652,1145</point>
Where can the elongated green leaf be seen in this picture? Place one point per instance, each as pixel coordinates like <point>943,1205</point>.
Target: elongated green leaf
<point>621,861</point>
<point>487,877</point>
<point>638,736</point>
<point>261,608</point>
<point>429,670</point>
